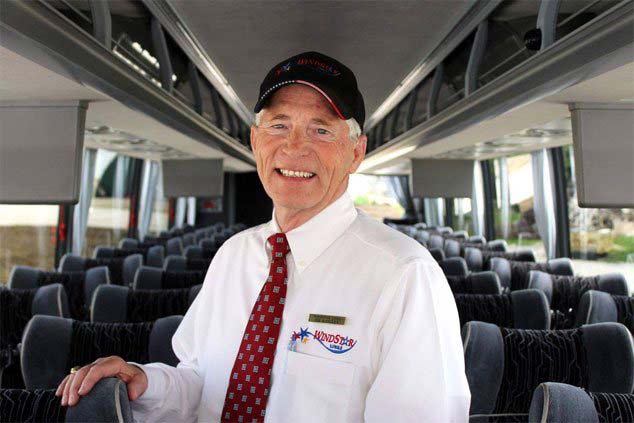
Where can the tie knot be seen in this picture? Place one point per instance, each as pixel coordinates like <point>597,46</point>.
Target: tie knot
<point>279,243</point>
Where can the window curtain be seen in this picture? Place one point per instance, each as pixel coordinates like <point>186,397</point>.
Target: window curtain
<point>149,183</point>
<point>505,198</point>
<point>179,215</point>
<point>435,211</point>
<point>477,200</point>
<point>543,204</point>
<point>81,209</point>
<point>399,184</point>
<point>191,211</point>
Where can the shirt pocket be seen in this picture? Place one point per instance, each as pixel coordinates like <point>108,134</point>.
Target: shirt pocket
<point>319,388</point>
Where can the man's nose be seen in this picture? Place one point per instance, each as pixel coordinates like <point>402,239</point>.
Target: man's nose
<point>296,144</point>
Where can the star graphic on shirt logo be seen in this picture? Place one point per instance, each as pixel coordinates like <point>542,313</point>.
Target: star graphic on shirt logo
<point>303,333</point>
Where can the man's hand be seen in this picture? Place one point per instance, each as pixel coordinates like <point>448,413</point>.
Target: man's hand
<point>81,382</point>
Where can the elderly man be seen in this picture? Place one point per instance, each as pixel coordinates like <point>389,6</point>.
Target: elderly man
<point>322,314</point>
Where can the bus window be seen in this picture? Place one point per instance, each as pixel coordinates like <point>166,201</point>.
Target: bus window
<point>376,196</point>
<point>601,240</point>
<point>27,237</point>
<point>110,206</point>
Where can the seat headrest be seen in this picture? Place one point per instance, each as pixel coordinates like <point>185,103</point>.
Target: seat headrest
<point>51,300</point>
<point>24,277</point>
<point>174,246</point>
<point>103,251</point>
<point>454,266</point>
<point>559,402</point>
<point>452,248</point>
<point>474,259</point>
<point>437,253</point>
<point>155,256</point>
<point>477,239</point>
<point>498,245</point>
<point>128,244</point>
<point>596,307</point>
<point>193,252</point>
<point>148,278</point>
<point>175,263</point>
<point>436,241</point>
<point>72,263</point>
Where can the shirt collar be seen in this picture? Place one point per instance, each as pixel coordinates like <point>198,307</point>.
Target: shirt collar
<point>309,240</point>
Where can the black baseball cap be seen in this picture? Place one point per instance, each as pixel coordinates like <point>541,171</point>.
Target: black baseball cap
<point>331,78</point>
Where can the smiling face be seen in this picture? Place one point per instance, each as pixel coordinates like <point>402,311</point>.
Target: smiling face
<point>303,152</point>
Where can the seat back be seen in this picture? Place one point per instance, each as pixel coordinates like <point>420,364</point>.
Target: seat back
<point>521,309</point>
<point>504,366</point>
<point>148,278</point>
<point>103,251</point>
<point>564,293</point>
<point>454,266</point>
<point>128,244</point>
<point>474,259</point>
<point>52,345</point>
<point>175,264</point>
<point>452,248</point>
<point>515,275</point>
<point>113,304</point>
<point>559,402</point>
<point>436,241</point>
<point>498,245</point>
<point>17,306</point>
<point>437,253</point>
<point>597,306</point>
<point>475,283</point>
<point>174,246</point>
<point>106,402</point>
<point>189,239</point>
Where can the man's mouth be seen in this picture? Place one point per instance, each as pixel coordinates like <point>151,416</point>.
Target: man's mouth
<point>289,173</point>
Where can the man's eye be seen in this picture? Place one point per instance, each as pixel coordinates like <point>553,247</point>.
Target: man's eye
<point>278,126</point>
<point>322,131</point>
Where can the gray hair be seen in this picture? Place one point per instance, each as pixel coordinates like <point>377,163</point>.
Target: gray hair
<point>354,130</point>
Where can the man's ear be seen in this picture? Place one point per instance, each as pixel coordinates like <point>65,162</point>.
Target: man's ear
<point>253,138</point>
<point>359,153</point>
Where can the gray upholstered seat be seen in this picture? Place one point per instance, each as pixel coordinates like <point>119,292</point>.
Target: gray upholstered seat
<point>153,278</point>
<point>475,283</point>
<point>436,241</point>
<point>504,366</point>
<point>181,264</point>
<point>527,309</point>
<point>79,285</point>
<point>477,239</point>
<point>514,275</point>
<point>473,258</point>
<point>596,306</point>
<point>121,269</point>
<point>560,402</point>
<point>174,246</point>
<point>52,345</point>
<point>565,292</point>
<point>128,244</point>
<point>200,234</point>
<point>451,248</point>
<point>454,266</point>
<point>17,306</point>
<point>112,303</point>
<point>189,239</point>
<point>498,245</point>
<point>106,402</point>
<point>437,253</point>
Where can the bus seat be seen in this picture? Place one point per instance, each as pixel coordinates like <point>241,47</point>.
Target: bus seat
<point>597,306</point>
<point>504,366</point>
<point>52,345</point>
<point>103,251</point>
<point>200,234</point>
<point>174,246</point>
<point>106,402</point>
<point>515,275</point>
<point>112,304</point>
<point>499,245</point>
<point>452,248</point>
<point>128,244</point>
<point>564,293</point>
<point>437,253</point>
<point>189,239</point>
<point>436,241</point>
<point>22,304</point>
<point>526,309</point>
<point>559,402</point>
<point>477,239</point>
<point>175,264</point>
<point>461,235</point>
<point>454,266</point>
<point>474,259</point>
<point>193,252</point>
<point>475,283</point>
<point>155,256</point>
<point>153,278</point>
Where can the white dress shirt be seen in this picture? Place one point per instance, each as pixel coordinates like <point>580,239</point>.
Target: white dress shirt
<point>397,358</point>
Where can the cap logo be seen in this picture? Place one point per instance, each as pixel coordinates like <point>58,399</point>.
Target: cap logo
<point>283,68</point>
<point>319,66</point>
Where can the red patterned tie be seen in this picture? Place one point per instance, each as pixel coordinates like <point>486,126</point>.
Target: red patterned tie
<point>250,377</point>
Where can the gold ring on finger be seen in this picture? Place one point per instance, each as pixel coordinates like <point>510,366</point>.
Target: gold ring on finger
<point>75,369</point>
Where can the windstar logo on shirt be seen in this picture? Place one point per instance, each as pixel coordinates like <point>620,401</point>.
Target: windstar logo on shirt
<point>333,342</point>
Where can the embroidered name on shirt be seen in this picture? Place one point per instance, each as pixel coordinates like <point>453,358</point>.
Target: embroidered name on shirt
<point>324,318</point>
<point>333,342</point>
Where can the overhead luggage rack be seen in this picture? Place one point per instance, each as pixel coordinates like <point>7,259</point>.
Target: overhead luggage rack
<point>121,50</point>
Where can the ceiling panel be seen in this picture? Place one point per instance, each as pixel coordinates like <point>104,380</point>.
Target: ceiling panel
<point>381,41</point>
